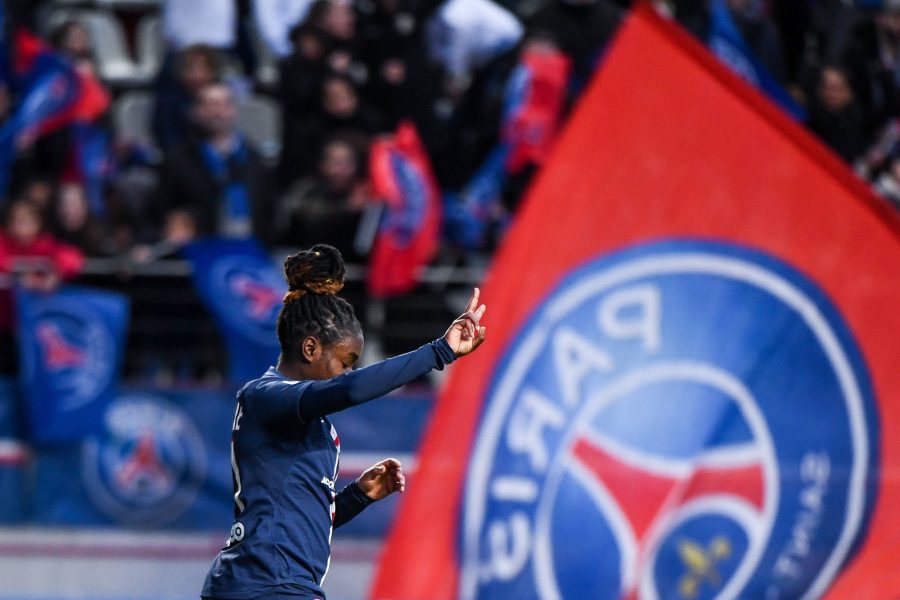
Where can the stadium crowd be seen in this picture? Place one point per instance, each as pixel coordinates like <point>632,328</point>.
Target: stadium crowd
<point>254,117</point>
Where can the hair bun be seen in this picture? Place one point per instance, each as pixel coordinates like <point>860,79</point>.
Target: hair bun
<point>319,270</point>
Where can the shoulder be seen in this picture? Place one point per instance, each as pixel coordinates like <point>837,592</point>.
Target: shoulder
<point>271,385</point>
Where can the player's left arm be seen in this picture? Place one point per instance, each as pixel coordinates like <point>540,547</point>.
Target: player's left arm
<point>377,482</point>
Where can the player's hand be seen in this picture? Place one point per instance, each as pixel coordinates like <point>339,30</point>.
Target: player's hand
<point>466,333</point>
<point>382,479</point>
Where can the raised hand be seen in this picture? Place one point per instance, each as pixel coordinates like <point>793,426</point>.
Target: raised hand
<point>382,479</point>
<point>466,333</point>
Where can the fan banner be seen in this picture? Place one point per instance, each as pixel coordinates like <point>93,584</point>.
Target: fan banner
<point>244,291</point>
<point>71,345</point>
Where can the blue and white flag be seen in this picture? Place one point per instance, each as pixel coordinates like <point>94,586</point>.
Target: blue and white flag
<point>727,43</point>
<point>244,291</point>
<point>71,345</point>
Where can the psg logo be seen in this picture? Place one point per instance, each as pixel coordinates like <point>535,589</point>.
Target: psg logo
<point>148,467</point>
<point>249,294</point>
<point>646,436</point>
<point>75,346</point>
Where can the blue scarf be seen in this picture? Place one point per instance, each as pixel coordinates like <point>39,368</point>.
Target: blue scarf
<point>234,214</point>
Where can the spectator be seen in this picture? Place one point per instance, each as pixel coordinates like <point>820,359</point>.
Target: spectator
<point>74,224</point>
<point>835,116</point>
<point>196,67</point>
<point>33,256</point>
<point>39,191</point>
<point>200,22</point>
<point>217,175</point>
<point>276,19</point>
<point>301,79</point>
<point>340,108</point>
<point>336,19</point>
<point>326,206</point>
<point>403,82</point>
<point>872,57</point>
<point>73,40</point>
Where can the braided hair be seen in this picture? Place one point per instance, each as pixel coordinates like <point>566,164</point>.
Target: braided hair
<point>311,306</point>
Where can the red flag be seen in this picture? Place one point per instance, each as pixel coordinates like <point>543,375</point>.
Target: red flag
<point>689,384</point>
<point>531,127</point>
<point>409,231</point>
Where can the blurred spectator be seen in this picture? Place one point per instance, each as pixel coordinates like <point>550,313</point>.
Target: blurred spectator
<point>581,28</point>
<point>835,116</point>
<point>207,22</point>
<point>195,68</point>
<point>179,229</point>
<point>73,40</point>
<point>217,176</point>
<point>39,191</point>
<point>74,224</point>
<point>340,108</point>
<point>464,35</point>
<point>404,82</point>
<point>301,79</point>
<point>276,19</point>
<point>872,57</point>
<point>35,258</point>
<point>336,21</point>
<point>327,205</point>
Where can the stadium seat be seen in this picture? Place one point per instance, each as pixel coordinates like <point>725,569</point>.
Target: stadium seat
<point>150,48</point>
<point>267,73</point>
<point>259,118</point>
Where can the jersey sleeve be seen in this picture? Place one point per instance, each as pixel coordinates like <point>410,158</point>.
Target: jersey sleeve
<point>349,502</point>
<point>328,396</point>
<point>274,401</point>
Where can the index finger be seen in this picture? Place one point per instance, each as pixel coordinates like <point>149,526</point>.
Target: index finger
<point>473,301</point>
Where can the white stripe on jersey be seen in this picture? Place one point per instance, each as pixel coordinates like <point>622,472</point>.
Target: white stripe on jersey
<point>332,508</point>
<point>238,413</point>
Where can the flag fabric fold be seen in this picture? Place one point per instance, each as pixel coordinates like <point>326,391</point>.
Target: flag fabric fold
<point>408,235</point>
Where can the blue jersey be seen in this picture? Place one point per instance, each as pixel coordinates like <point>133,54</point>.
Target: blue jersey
<point>285,456</point>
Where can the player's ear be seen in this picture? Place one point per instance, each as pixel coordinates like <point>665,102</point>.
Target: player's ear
<point>310,348</point>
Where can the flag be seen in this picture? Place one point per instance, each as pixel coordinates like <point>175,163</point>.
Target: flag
<point>52,94</point>
<point>689,384</point>
<point>533,103</point>
<point>726,42</point>
<point>244,291</point>
<point>71,345</point>
<point>535,99</point>
<point>409,231</point>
